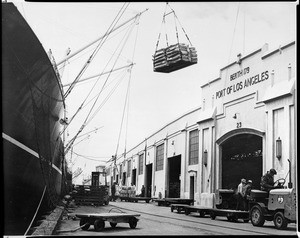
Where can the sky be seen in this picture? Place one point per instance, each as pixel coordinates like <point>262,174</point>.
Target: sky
<point>218,30</point>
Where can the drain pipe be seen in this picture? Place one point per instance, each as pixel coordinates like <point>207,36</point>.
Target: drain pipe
<point>290,184</point>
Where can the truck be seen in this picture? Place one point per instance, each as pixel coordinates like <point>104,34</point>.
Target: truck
<point>279,206</point>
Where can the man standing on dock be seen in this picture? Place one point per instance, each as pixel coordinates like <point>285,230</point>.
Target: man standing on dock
<point>113,191</point>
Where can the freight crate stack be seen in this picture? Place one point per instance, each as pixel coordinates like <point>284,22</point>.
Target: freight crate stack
<point>174,57</point>
<point>91,195</point>
<point>127,191</point>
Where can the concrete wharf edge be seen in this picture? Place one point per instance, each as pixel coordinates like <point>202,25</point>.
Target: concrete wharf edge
<point>49,225</point>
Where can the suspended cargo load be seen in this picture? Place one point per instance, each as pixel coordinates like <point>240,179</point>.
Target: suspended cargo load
<point>174,57</point>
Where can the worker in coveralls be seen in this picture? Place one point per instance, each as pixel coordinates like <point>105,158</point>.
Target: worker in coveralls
<point>113,191</point>
<point>267,181</point>
<point>240,193</point>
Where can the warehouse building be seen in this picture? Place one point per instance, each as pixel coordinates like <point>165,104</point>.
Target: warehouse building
<point>245,126</point>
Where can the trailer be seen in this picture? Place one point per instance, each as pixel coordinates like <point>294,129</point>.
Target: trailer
<point>200,209</point>
<point>178,207</point>
<point>232,215</point>
<point>168,201</point>
<point>98,220</point>
<point>135,199</point>
<point>190,208</point>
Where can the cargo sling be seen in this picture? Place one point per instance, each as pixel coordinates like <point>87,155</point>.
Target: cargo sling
<point>176,56</point>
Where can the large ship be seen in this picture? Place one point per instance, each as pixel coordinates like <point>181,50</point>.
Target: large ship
<point>32,112</point>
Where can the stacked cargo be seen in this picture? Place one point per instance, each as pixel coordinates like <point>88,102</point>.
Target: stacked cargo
<point>127,191</point>
<point>160,59</point>
<point>174,57</point>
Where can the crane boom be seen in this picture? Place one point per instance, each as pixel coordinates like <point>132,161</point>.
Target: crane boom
<point>112,30</point>
<point>97,75</point>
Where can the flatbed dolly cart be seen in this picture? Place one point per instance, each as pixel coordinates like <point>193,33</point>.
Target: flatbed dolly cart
<point>98,219</point>
<point>169,201</point>
<point>200,209</point>
<point>232,215</point>
<point>135,199</point>
<point>178,207</point>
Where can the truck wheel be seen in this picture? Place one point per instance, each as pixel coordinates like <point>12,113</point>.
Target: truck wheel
<point>99,225</point>
<point>280,221</point>
<point>212,215</point>
<point>232,218</point>
<point>202,213</point>
<point>256,216</point>
<point>133,223</point>
<point>112,224</point>
<point>106,202</point>
<point>82,222</point>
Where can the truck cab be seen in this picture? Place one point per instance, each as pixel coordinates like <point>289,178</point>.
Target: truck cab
<point>278,205</point>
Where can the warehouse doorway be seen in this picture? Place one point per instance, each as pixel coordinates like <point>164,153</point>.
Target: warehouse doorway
<point>174,176</point>
<point>149,180</point>
<point>241,158</point>
<point>133,177</point>
<point>192,187</point>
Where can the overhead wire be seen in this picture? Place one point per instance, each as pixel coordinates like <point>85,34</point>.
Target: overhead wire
<point>236,19</point>
<point>230,50</point>
<point>89,158</point>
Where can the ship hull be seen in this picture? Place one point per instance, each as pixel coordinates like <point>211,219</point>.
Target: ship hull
<point>32,106</point>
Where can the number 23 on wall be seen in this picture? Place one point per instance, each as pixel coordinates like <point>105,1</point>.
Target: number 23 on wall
<point>238,125</point>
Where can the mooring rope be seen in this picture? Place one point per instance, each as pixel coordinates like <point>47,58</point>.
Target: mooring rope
<point>36,211</point>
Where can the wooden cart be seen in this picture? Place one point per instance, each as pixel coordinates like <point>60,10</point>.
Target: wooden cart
<point>135,199</point>
<point>168,201</point>
<point>98,219</point>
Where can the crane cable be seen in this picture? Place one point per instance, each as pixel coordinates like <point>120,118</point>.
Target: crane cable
<point>83,125</point>
<point>164,22</point>
<point>133,54</point>
<point>103,86</point>
<point>128,33</point>
<point>86,120</point>
<point>95,51</point>
<point>175,16</point>
<point>126,104</point>
<point>100,44</point>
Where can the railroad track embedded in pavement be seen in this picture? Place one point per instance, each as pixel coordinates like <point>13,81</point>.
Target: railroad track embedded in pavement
<point>196,222</point>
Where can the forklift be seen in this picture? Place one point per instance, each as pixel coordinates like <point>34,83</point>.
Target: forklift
<point>279,205</point>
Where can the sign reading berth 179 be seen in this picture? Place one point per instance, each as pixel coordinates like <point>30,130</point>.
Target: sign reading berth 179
<point>248,82</point>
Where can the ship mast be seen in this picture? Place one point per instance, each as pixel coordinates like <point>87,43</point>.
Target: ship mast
<point>112,30</point>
